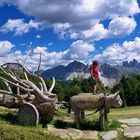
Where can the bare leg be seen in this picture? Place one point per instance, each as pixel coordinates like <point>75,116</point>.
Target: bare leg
<point>95,87</point>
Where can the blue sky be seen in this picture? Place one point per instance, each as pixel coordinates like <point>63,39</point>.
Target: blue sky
<point>63,31</point>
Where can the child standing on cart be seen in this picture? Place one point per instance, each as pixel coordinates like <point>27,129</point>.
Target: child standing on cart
<point>94,71</point>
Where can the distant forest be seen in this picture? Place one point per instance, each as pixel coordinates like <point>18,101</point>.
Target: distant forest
<point>129,88</point>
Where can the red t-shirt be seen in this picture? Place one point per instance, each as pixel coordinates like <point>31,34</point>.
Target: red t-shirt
<point>94,71</point>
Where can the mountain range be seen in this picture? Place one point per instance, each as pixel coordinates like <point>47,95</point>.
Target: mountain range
<point>134,64</point>
<point>109,74</point>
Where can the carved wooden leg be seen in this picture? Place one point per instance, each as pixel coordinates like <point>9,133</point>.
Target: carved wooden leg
<point>101,119</point>
<point>106,112</point>
<point>83,114</point>
<point>69,110</point>
<point>77,118</point>
<point>105,116</point>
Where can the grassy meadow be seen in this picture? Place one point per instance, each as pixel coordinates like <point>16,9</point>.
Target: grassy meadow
<point>9,130</point>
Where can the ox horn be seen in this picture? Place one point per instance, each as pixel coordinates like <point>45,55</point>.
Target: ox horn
<point>117,93</point>
<point>53,84</point>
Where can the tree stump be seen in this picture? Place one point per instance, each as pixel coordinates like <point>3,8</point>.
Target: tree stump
<point>28,115</point>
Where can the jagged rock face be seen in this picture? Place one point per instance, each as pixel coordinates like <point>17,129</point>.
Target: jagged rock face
<point>58,72</point>
<point>76,66</point>
<point>134,63</point>
<point>111,71</point>
<point>66,72</point>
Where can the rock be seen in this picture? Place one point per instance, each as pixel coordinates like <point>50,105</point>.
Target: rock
<point>109,135</point>
<point>74,133</point>
<point>130,122</point>
<point>132,132</point>
<point>124,126</point>
<point>69,133</point>
<point>120,129</point>
<point>91,135</point>
<point>62,134</point>
<point>58,132</point>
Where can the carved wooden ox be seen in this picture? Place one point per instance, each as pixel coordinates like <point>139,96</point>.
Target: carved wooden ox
<point>36,94</point>
<point>88,101</point>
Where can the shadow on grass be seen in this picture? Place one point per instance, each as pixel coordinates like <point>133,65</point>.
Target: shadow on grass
<point>63,124</point>
<point>9,117</point>
<point>90,125</point>
<point>87,125</point>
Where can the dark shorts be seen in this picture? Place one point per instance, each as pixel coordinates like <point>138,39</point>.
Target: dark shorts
<point>95,81</point>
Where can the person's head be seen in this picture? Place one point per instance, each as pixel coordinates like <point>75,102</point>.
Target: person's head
<point>95,63</point>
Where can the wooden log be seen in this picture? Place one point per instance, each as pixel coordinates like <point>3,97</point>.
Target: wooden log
<point>9,101</point>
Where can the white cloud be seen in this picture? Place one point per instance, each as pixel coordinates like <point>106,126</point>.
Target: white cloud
<point>74,35</point>
<point>118,27</point>
<point>5,47</point>
<point>50,44</point>
<point>71,17</point>
<point>117,53</point>
<point>39,49</point>
<point>121,26</point>
<point>19,26</point>
<point>97,32</point>
<point>77,19</point>
<point>61,29</point>
<point>38,36</point>
<point>79,50</point>
<point>132,46</point>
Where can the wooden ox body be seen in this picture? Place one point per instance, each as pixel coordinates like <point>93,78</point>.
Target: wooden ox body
<point>88,101</point>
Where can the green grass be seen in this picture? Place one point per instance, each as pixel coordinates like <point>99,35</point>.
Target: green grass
<point>9,130</point>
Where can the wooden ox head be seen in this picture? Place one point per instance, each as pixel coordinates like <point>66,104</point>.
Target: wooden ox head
<point>114,100</point>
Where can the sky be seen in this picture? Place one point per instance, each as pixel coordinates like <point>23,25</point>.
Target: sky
<point>66,30</point>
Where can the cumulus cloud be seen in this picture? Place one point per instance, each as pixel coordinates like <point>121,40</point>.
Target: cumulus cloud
<point>5,47</point>
<point>79,50</point>
<point>82,20</point>
<point>97,32</point>
<point>121,26</point>
<point>118,27</point>
<point>74,11</point>
<point>18,26</point>
<point>71,18</point>
<point>40,50</point>
<point>117,53</point>
<point>61,29</point>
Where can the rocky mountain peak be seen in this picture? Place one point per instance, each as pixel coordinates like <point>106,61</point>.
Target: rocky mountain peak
<point>134,63</point>
<point>76,66</point>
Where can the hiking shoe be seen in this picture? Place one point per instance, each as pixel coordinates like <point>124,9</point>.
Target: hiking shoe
<point>68,114</point>
<point>95,93</point>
